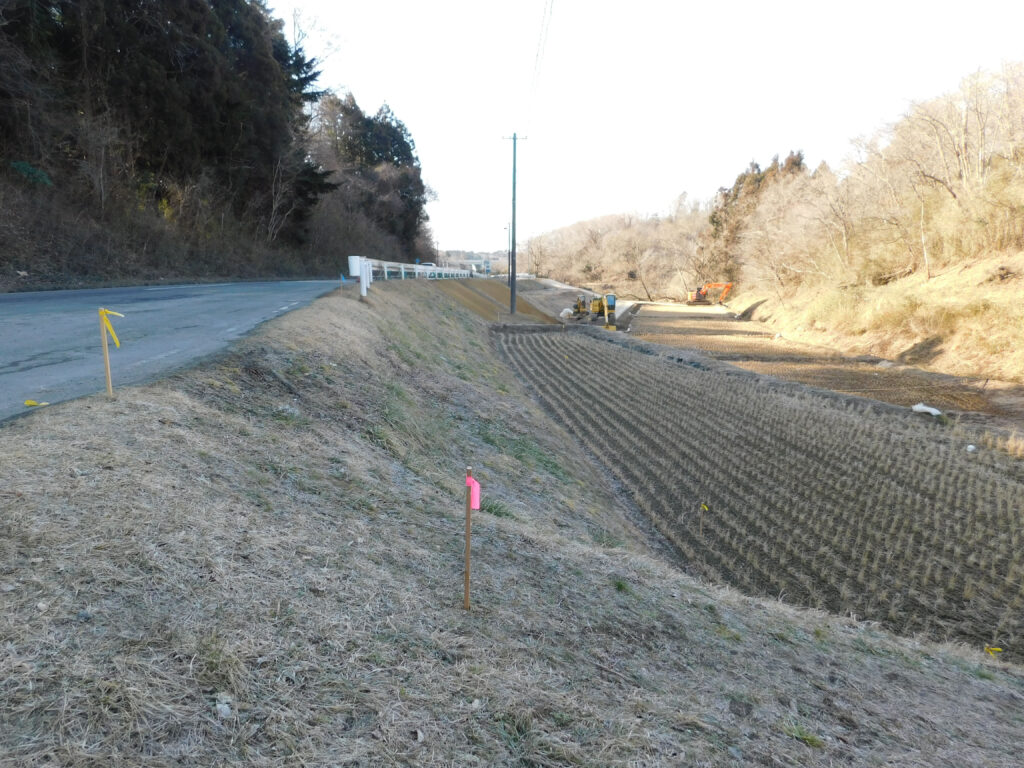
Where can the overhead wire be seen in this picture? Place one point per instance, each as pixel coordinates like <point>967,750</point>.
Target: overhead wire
<point>538,59</point>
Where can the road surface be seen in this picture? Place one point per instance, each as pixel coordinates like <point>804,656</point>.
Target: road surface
<point>50,341</point>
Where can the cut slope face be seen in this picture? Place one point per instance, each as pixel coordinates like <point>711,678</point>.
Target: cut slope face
<point>259,563</point>
<point>491,300</point>
<point>966,320</point>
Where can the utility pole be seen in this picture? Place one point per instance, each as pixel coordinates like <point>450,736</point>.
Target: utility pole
<point>512,257</point>
<point>512,235</point>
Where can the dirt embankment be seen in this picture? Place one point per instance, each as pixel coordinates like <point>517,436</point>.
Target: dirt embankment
<point>491,300</point>
<point>812,359</point>
<point>259,562</point>
<point>755,346</point>
<point>915,341</point>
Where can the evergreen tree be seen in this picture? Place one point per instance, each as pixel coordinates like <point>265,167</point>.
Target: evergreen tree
<point>718,246</point>
<point>381,154</point>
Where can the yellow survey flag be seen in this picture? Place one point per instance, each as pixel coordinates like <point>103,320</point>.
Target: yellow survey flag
<point>33,403</point>
<point>108,326</point>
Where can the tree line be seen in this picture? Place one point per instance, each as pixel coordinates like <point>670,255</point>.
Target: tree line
<point>189,136</point>
<point>941,186</point>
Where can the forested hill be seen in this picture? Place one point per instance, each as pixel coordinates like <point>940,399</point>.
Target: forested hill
<point>187,138</point>
<point>914,245</point>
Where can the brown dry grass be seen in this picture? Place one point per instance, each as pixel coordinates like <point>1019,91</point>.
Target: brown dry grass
<point>966,321</point>
<point>259,562</point>
<point>491,300</point>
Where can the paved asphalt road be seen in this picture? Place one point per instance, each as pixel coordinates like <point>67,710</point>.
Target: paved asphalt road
<point>50,341</point>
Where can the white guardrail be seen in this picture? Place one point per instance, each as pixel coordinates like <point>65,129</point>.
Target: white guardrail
<point>367,270</point>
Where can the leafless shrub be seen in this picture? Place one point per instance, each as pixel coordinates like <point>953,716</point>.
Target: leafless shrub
<point>646,258</point>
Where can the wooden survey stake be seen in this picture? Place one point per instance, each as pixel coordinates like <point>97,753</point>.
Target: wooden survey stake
<point>106,353</point>
<point>469,527</point>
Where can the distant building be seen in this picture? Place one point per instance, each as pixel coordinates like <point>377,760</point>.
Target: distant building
<point>480,263</point>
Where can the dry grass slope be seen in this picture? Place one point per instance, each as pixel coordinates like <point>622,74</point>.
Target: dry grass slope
<point>490,298</point>
<point>259,563</point>
<point>967,321</point>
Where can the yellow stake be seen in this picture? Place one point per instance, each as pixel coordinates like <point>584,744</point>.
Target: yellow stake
<point>106,327</point>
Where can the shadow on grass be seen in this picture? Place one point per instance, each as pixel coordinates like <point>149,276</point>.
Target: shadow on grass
<point>748,313</point>
<point>924,351</point>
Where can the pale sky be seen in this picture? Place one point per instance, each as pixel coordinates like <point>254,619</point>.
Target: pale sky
<point>634,103</point>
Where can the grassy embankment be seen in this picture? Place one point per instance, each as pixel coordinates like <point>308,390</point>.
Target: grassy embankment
<point>259,562</point>
<point>967,320</point>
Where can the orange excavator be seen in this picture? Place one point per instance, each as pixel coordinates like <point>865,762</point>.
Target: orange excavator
<point>700,296</point>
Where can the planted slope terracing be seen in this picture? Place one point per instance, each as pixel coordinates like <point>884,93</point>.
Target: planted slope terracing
<point>779,490</point>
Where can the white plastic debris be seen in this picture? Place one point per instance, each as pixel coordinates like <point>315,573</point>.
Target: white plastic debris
<point>922,408</point>
<point>223,705</point>
<point>972,448</point>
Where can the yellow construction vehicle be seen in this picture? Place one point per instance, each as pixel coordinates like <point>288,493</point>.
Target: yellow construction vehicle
<point>603,307</point>
<point>700,296</point>
<point>596,309</point>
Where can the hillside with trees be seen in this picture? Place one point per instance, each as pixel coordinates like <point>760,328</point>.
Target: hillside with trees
<point>912,249</point>
<point>187,138</point>
<point>647,258</point>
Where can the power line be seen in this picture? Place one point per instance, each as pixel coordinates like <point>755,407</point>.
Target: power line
<point>538,59</point>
